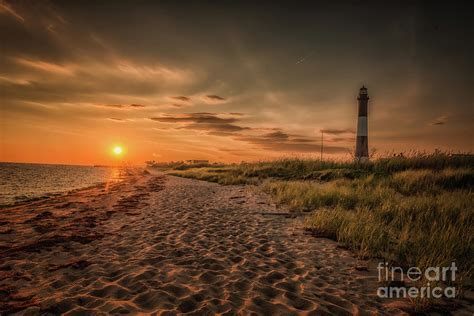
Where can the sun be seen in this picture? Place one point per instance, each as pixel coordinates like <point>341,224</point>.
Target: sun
<point>118,150</point>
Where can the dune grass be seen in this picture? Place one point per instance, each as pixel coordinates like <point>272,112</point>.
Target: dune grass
<point>411,210</point>
<point>376,219</point>
<point>326,170</point>
<point>221,175</point>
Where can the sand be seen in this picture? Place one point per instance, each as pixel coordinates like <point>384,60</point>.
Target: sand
<point>167,245</point>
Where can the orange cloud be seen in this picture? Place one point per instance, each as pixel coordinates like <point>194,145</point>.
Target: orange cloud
<point>45,66</point>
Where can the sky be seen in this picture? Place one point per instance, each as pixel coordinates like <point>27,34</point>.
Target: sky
<point>231,81</point>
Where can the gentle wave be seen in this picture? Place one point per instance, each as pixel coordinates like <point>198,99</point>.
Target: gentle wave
<point>21,182</point>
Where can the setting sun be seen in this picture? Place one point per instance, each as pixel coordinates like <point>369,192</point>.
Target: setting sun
<point>118,150</point>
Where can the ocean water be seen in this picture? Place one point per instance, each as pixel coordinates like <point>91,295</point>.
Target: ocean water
<point>21,182</point>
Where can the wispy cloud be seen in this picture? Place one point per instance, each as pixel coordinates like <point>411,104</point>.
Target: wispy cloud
<point>153,71</point>
<point>4,7</point>
<point>117,106</point>
<point>288,145</point>
<point>13,80</point>
<point>441,120</point>
<point>200,117</point>
<point>340,139</point>
<point>276,136</point>
<point>305,140</point>
<point>335,131</point>
<point>46,66</point>
<point>122,106</point>
<point>216,127</point>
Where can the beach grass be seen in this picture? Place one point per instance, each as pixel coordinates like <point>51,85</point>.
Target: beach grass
<point>221,175</point>
<point>411,210</point>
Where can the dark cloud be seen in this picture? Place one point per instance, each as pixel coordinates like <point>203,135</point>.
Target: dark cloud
<point>289,146</point>
<point>277,140</point>
<point>116,119</point>
<point>198,118</point>
<point>268,128</point>
<point>208,122</point>
<point>205,113</point>
<point>440,120</point>
<point>182,98</point>
<point>64,56</point>
<point>214,97</point>
<point>277,136</point>
<point>213,127</point>
<point>335,131</point>
<point>282,141</point>
<point>285,137</point>
<point>31,28</point>
<point>121,106</point>
<point>217,113</point>
<point>340,139</point>
<point>304,140</point>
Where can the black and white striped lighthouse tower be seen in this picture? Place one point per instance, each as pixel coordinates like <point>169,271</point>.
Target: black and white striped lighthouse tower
<point>362,142</point>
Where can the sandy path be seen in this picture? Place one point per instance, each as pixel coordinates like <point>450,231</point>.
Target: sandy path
<point>172,245</point>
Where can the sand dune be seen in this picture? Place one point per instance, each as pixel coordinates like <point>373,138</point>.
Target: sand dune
<point>170,245</point>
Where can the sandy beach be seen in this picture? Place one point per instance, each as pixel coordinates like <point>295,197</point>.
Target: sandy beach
<point>168,245</point>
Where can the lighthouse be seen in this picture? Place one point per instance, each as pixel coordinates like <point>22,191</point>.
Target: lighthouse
<point>362,141</point>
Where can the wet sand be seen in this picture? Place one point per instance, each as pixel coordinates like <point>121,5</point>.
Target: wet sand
<point>167,245</point>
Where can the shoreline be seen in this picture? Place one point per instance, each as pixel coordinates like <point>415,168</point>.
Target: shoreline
<point>48,195</point>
